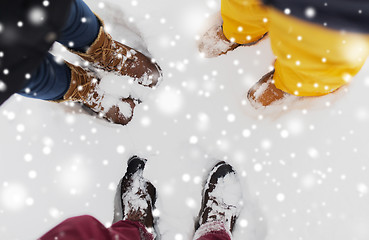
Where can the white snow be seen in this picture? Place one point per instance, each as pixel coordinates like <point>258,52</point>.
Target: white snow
<point>132,200</point>
<point>111,91</point>
<point>325,190</point>
<point>212,45</point>
<point>115,85</point>
<point>123,86</point>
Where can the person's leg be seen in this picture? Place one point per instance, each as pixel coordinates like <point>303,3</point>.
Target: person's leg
<point>49,82</point>
<point>129,230</point>
<point>87,228</point>
<point>81,28</point>
<point>212,231</point>
<point>52,79</point>
<point>59,82</point>
<point>313,60</point>
<point>84,35</point>
<point>244,21</point>
<point>131,220</point>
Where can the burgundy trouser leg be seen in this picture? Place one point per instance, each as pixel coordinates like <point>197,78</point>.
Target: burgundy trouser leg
<point>212,231</point>
<point>88,228</point>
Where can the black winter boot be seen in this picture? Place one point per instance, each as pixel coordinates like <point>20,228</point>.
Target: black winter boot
<point>221,198</point>
<point>136,196</point>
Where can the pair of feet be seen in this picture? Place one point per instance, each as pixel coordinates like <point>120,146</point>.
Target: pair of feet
<point>105,87</point>
<point>264,92</point>
<point>129,66</point>
<point>221,197</point>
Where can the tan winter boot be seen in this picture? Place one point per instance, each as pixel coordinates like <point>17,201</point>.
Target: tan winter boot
<point>264,92</point>
<point>213,43</point>
<point>113,56</point>
<point>84,87</point>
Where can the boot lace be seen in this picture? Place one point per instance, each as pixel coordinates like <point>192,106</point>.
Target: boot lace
<point>112,54</point>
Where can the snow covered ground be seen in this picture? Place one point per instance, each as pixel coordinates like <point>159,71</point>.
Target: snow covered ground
<point>303,168</point>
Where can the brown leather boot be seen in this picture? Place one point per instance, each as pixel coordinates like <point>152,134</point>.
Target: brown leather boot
<point>110,55</point>
<point>264,92</point>
<point>213,43</point>
<point>84,88</point>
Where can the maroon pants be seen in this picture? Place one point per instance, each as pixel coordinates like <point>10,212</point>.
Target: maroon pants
<point>88,228</point>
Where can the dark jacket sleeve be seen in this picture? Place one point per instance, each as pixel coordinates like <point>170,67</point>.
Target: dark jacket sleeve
<point>28,28</point>
<point>347,15</point>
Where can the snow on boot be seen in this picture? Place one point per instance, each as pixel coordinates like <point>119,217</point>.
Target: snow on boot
<point>84,88</point>
<point>136,196</point>
<point>221,198</point>
<point>213,43</point>
<point>110,55</point>
<point>264,92</point>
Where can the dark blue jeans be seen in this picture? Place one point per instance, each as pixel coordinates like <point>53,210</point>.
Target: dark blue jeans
<point>52,79</point>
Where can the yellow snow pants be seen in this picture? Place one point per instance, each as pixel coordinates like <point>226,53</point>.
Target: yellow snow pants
<point>311,60</point>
